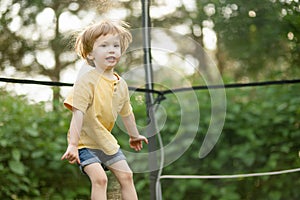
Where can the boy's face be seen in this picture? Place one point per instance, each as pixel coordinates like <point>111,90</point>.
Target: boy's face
<point>106,51</point>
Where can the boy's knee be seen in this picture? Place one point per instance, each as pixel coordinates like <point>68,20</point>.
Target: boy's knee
<point>100,181</point>
<point>129,176</point>
<point>126,177</point>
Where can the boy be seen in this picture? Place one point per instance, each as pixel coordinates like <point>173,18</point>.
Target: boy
<point>97,98</point>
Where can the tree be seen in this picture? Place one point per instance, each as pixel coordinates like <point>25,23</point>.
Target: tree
<point>257,38</point>
<point>36,40</point>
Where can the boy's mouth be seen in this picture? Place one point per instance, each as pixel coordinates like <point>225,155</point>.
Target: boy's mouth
<point>111,59</point>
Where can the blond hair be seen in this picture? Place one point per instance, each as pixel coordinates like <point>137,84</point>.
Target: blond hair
<point>86,39</point>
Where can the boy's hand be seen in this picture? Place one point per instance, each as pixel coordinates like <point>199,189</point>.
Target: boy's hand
<point>136,143</point>
<point>71,155</point>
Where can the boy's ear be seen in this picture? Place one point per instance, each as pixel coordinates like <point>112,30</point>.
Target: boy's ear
<point>90,62</point>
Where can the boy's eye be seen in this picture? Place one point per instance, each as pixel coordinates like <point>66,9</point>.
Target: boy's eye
<point>116,45</point>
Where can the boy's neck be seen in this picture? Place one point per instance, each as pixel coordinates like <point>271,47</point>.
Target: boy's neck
<point>109,74</point>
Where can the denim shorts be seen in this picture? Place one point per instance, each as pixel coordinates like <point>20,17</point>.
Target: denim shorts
<point>89,156</point>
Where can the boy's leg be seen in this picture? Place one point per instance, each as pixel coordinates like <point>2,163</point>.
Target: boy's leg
<point>124,175</point>
<point>98,180</point>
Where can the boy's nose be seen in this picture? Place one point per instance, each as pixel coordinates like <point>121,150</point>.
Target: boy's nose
<point>111,49</point>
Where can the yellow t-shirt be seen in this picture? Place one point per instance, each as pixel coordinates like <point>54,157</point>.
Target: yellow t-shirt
<point>101,100</point>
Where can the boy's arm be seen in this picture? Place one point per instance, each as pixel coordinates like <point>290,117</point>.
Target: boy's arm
<point>71,153</point>
<point>136,140</point>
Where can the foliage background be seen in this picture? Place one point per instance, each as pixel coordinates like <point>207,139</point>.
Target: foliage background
<point>259,136</point>
<point>256,41</point>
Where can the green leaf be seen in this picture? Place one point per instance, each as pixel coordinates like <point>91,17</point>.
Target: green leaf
<point>16,154</point>
<point>17,167</point>
<point>3,142</point>
<point>37,154</point>
<point>32,132</point>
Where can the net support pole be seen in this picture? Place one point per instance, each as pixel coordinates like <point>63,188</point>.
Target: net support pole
<point>151,123</point>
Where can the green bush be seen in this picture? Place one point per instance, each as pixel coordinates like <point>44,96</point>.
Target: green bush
<point>260,134</point>
<point>32,142</point>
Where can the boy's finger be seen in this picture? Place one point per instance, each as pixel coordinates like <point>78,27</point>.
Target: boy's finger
<point>146,140</point>
<point>63,157</point>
